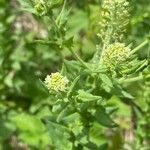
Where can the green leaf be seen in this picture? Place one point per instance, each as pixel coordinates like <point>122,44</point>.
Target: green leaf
<point>30,127</point>
<point>69,42</point>
<point>127,95</point>
<point>55,3</point>
<point>71,118</point>
<point>104,119</point>
<point>59,134</point>
<point>107,84</point>
<point>71,88</point>
<point>27,5</point>
<point>62,18</point>
<point>43,86</point>
<point>106,80</point>
<point>103,146</point>
<point>112,109</point>
<point>9,80</point>
<point>73,121</point>
<point>72,66</point>
<point>87,97</point>
<point>65,111</point>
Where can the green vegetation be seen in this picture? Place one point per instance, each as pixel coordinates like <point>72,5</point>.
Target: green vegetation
<point>74,75</point>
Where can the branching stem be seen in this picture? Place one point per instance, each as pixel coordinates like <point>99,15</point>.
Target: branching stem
<point>79,59</point>
<point>134,79</point>
<point>139,47</point>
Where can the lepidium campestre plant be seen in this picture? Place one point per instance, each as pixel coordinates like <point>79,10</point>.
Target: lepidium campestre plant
<point>81,92</point>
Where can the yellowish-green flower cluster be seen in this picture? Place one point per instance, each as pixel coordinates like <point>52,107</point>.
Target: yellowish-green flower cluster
<point>114,56</point>
<point>40,7</point>
<point>114,18</point>
<point>56,82</point>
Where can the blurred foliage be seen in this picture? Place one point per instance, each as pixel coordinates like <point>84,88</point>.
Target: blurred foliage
<point>26,56</point>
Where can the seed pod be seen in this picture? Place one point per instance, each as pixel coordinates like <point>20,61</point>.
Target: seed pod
<point>114,18</point>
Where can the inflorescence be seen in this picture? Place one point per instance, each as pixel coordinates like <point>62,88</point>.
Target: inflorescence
<point>114,56</point>
<point>56,82</point>
<point>114,18</point>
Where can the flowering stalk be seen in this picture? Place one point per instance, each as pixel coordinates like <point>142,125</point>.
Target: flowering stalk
<point>114,19</point>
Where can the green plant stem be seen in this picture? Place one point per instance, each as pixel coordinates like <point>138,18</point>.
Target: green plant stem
<point>134,79</point>
<point>79,59</point>
<point>43,42</point>
<point>83,63</point>
<point>142,66</point>
<point>107,39</point>
<point>139,47</point>
<point>63,8</point>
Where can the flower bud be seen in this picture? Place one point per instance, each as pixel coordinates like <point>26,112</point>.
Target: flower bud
<point>40,7</point>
